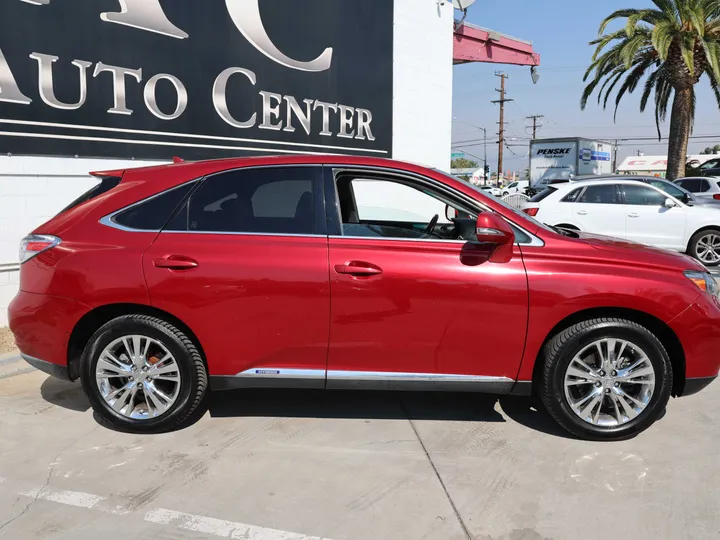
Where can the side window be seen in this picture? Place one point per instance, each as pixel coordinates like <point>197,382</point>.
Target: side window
<point>602,194</point>
<point>265,200</point>
<point>374,207</point>
<point>643,196</point>
<point>153,213</point>
<point>669,188</point>
<point>704,185</point>
<point>692,185</point>
<point>572,196</point>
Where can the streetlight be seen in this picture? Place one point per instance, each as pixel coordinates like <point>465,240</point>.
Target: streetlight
<point>484,140</point>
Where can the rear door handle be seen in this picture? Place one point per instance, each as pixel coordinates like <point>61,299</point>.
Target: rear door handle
<point>582,212</point>
<point>633,215</point>
<point>358,268</point>
<point>175,262</point>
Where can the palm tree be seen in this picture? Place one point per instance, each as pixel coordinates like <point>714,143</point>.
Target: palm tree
<point>673,46</point>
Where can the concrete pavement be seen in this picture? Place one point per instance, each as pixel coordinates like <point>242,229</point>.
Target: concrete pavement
<point>293,465</point>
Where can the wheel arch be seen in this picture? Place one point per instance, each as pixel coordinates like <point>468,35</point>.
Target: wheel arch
<point>92,320</point>
<point>661,330</point>
<point>701,229</point>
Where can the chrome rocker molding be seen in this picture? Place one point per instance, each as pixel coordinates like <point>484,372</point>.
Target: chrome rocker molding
<point>269,377</point>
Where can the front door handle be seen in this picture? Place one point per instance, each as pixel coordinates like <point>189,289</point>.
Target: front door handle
<point>633,215</point>
<point>175,262</point>
<point>582,212</point>
<point>358,268</point>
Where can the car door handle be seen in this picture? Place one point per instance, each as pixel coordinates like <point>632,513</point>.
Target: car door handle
<point>581,212</point>
<point>358,268</point>
<point>175,262</point>
<point>633,215</point>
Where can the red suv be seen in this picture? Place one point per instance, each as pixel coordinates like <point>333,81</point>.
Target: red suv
<point>338,272</point>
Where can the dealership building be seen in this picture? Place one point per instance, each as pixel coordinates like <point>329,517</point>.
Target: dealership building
<point>82,89</point>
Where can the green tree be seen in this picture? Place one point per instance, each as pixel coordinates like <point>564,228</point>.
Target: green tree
<point>463,163</point>
<point>672,47</point>
<point>711,149</point>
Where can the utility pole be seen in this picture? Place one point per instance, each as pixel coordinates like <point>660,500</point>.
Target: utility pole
<point>535,118</point>
<point>501,123</point>
<point>615,153</point>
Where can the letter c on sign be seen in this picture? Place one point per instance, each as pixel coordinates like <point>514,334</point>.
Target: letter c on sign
<point>246,16</point>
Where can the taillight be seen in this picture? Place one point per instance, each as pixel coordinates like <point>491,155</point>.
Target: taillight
<point>35,244</point>
<point>531,211</point>
<point>716,196</point>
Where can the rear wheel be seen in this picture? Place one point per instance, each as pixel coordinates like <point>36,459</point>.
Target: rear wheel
<point>705,247</point>
<point>141,373</point>
<point>606,379</point>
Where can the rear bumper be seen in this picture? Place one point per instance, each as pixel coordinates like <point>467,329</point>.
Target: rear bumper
<point>61,372</point>
<point>693,386</point>
<point>42,326</point>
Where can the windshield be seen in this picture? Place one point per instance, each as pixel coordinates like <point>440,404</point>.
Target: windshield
<point>511,209</point>
<point>710,164</point>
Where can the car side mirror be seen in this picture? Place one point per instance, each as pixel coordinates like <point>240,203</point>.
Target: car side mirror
<point>450,212</point>
<point>669,203</point>
<point>493,229</point>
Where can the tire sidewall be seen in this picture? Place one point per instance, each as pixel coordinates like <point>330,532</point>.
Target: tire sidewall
<point>694,242</point>
<point>658,358</point>
<point>128,326</point>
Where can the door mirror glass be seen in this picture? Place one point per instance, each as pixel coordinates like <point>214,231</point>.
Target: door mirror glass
<point>493,229</point>
<point>450,212</point>
<point>669,203</point>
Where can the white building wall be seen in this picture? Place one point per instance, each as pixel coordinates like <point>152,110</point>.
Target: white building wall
<point>422,88</point>
<point>32,190</point>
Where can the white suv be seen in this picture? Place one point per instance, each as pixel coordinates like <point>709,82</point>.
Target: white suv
<point>633,211</point>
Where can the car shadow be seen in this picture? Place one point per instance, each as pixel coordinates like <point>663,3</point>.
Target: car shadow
<point>370,405</point>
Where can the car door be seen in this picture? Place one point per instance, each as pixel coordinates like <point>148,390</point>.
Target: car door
<point>649,221</point>
<point>244,264</point>
<point>598,210</point>
<point>410,308</point>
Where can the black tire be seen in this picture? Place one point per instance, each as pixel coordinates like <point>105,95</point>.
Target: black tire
<point>693,245</point>
<point>193,373</point>
<point>559,352</point>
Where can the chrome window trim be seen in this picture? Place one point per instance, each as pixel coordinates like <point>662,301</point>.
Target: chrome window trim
<point>246,233</point>
<point>534,240</point>
<point>108,220</point>
<point>431,240</point>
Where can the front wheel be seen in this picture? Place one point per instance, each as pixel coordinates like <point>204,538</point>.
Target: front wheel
<point>606,379</point>
<point>141,373</point>
<point>705,247</point>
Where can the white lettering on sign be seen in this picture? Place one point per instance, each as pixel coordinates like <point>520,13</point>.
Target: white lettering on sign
<point>120,91</point>
<point>149,15</point>
<point>45,81</point>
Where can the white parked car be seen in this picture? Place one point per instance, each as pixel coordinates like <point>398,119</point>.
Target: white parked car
<point>516,187</point>
<point>492,190</point>
<point>634,211</point>
<point>702,187</point>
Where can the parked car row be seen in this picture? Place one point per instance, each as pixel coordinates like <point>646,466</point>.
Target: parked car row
<point>647,210</point>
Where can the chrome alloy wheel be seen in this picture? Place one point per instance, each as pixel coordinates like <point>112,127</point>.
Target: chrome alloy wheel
<point>138,377</point>
<point>708,248</point>
<point>609,382</point>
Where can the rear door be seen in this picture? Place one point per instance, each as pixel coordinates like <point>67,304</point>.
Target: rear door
<point>244,264</point>
<point>649,221</point>
<point>598,210</point>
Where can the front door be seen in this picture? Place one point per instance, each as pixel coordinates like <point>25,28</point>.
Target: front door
<point>649,221</point>
<point>412,303</point>
<point>244,265</point>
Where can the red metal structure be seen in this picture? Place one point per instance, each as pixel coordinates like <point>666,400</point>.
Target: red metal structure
<point>477,44</point>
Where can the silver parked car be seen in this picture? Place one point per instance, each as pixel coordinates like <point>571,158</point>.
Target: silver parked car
<point>702,187</point>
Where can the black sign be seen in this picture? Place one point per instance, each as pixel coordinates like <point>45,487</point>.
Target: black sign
<point>196,79</point>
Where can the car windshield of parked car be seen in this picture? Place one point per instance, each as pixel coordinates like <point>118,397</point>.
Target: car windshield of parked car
<point>711,164</point>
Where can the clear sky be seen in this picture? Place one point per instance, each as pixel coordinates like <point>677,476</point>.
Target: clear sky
<point>560,31</point>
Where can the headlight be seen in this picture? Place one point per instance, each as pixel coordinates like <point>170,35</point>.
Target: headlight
<point>704,281</point>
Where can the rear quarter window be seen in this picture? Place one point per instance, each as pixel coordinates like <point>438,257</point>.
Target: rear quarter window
<point>543,194</point>
<point>105,185</point>
<point>152,214</point>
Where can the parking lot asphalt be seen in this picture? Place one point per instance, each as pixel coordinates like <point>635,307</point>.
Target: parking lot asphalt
<point>300,465</point>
